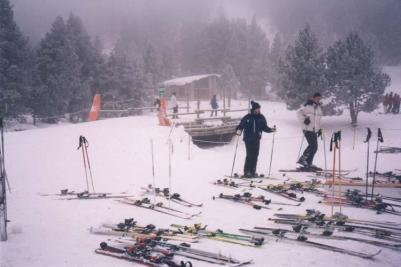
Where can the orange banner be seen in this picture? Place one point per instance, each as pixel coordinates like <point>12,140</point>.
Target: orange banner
<point>94,113</point>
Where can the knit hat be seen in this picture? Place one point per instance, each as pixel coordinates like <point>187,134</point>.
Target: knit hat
<point>254,105</point>
<point>317,95</point>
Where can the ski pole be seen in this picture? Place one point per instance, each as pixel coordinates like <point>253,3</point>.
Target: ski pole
<point>324,148</point>
<point>353,145</point>
<point>89,164</point>
<point>235,155</point>
<point>153,172</point>
<point>339,167</point>
<point>300,148</point>
<point>272,150</point>
<point>81,142</point>
<point>379,139</point>
<point>171,131</point>
<point>368,136</point>
<point>3,166</point>
<point>169,172</point>
<point>334,147</point>
<point>189,147</point>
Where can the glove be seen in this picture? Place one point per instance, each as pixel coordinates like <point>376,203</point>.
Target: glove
<point>238,132</point>
<point>274,129</point>
<point>319,133</point>
<point>307,121</point>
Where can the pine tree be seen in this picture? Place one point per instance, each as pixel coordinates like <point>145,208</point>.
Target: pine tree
<point>302,71</point>
<point>15,60</point>
<point>229,83</point>
<point>57,74</point>
<point>126,80</point>
<point>353,79</point>
<point>276,52</point>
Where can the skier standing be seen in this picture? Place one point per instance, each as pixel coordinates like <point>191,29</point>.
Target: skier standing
<point>390,102</point>
<point>253,124</point>
<point>174,105</point>
<point>386,102</point>
<point>310,116</point>
<point>214,105</point>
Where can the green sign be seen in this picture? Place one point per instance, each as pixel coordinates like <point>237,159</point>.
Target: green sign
<point>162,90</point>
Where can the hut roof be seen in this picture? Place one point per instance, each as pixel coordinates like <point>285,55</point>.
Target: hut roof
<point>188,79</point>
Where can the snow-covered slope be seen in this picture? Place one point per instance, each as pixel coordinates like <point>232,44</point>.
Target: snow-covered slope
<point>49,232</point>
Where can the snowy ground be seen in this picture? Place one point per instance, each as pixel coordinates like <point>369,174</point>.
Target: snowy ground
<point>49,232</point>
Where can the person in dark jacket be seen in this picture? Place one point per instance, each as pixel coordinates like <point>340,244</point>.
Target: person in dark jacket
<point>214,105</point>
<point>252,125</point>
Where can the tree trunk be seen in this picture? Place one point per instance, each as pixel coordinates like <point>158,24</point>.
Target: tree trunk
<point>353,113</point>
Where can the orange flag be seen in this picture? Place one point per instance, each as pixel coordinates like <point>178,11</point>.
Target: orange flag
<point>95,110</point>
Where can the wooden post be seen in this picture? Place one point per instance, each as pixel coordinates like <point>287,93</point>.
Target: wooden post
<point>187,91</point>
<point>224,101</point>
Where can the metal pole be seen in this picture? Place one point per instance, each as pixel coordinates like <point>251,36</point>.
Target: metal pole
<point>333,178</point>
<point>367,162</point>
<point>81,144</point>
<point>235,155</point>
<point>89,166</point>
<point>324,148</point>
<point>153,172</point>
<point>169,172</point>
<point>272,151</point>
<point>339,170</point>
<point>374,169</point>
<point>300,148</point>
<point>189,147</point>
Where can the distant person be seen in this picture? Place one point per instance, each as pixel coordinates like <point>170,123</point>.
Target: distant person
<point>396,104</point>
<point>157,103</point>
<point>310,116</point>
<point>174,105</point>
<point>390,102</point>
<point>385,102</point>
<point>253,124</point>
<point>214,105</point>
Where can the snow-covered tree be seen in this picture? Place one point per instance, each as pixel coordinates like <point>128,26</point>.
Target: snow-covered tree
<point>353,79</point>
<point>15,60</point>
<point>57,73</point>
<point>303,70</point>
<point>229,83</point>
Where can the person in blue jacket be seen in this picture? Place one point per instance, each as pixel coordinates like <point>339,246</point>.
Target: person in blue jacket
<point>252,125</point>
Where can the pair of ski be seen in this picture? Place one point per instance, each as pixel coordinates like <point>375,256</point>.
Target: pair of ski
<point>338,219</point>
<point>281,191</point>
<point>302,239</point>
<point>378,207</point>
<point>66,194</point>
<point>158,207</point>
<point>258,178</point>
<point>318,171</point>
<point>141,255</point>
<point>325,234</point>
<point>363,230</point>
<point>185,250</point>
<point>139,233</point>
<point>175,197</point>
<point>219,235</point>
<point>247,199</point>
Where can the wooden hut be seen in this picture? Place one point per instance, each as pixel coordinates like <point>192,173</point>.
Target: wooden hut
<point>201,87</point>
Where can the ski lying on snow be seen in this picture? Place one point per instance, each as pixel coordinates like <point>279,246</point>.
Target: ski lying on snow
<point>187,251</point>
<point>323,235</point>
<point>145,205</point>
<point>175,197</point>
<point>303,240</point>
<point>93,196</point>
<point>141,256</point>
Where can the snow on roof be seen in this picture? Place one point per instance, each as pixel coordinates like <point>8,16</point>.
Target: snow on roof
<point>189,79</point>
